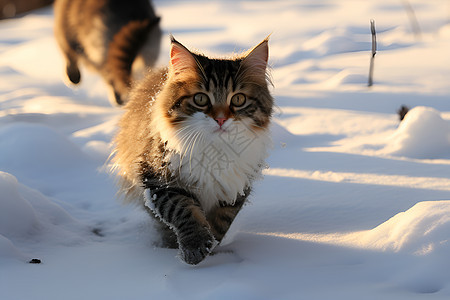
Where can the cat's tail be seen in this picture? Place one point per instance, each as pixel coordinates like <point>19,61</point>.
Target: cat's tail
<point>123,50</point>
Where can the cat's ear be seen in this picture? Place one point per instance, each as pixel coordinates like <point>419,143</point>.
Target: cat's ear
<point>181,59</point>
<point>256,59</point>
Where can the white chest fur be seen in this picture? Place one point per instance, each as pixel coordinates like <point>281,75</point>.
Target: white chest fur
<point>215,164</point>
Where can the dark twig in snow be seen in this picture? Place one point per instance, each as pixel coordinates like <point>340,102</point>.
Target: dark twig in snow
<point>374,51</point>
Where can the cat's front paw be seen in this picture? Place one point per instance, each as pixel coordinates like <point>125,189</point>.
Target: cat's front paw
<point>196,246</point>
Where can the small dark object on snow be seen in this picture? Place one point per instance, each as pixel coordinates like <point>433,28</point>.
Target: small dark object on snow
<point>35,261</point>
<point>98,232</point>
<point>402,111</point>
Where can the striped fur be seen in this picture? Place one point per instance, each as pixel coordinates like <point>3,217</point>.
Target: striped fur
<point>193,166</point>
<point>107,36</point>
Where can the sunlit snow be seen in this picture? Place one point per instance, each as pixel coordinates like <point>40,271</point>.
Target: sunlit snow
<point>355,204</point>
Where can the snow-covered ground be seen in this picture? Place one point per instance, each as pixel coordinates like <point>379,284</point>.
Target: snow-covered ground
<point>354,205</point>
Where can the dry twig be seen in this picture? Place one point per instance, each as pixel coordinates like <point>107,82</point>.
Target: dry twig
<point>374,51</point>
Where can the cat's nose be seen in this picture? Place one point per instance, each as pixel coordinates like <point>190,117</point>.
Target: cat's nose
<point>220,121</point>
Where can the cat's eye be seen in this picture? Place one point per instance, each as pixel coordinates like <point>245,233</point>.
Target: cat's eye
<point>201,99</point>
<point>238,100</point>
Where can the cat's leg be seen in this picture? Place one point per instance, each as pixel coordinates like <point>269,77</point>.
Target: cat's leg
<point>182,212</point>
<point>221,217</point>
<point>149,52</point>
<point>67,41</point>
<point>72,70</point>
<point>121,54</point>
<point>168,236</point>
<point>70,55</point>
<point>117,72</point>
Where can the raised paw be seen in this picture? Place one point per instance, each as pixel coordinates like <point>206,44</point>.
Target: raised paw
<point>196,246</point>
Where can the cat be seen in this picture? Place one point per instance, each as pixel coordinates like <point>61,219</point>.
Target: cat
<point>193,138</point>
<point>111,37</point>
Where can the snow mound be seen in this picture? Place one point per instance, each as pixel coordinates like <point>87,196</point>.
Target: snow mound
<point>422,134</point>
<point>8,250</point>
<point>26,214</point>
<point>17,216</point>
<point>419,230</point>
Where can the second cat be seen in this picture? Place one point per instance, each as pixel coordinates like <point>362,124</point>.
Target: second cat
<point>110,36</point>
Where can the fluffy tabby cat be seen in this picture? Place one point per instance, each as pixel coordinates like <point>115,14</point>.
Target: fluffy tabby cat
<point>191,142</point>
<point>107,36</point>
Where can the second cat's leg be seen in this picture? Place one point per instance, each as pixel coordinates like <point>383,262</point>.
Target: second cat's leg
<point>117,71</point>
<point>71,59</point>
<point>121,54</point>
<point>181,212</point>
<point>72,70</point>
<point>67,42</point>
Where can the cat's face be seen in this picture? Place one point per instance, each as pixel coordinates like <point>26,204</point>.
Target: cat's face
<point>212,116</point>
<point>218,96</point>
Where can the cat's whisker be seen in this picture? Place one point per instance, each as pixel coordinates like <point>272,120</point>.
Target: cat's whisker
<point>189,139</point>
<point>185,148</point>
<point>199,135</point>
<point>186,151</point>
<point>190,147</point>
<point>185,138</point>
<point>183,129</point>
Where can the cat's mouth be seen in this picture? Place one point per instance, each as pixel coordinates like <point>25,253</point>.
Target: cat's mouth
<point>220,130</point>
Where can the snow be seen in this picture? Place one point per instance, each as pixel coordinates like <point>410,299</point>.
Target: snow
<point>17,215</point>
<point>355,204</point>
<point>422,134</point>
